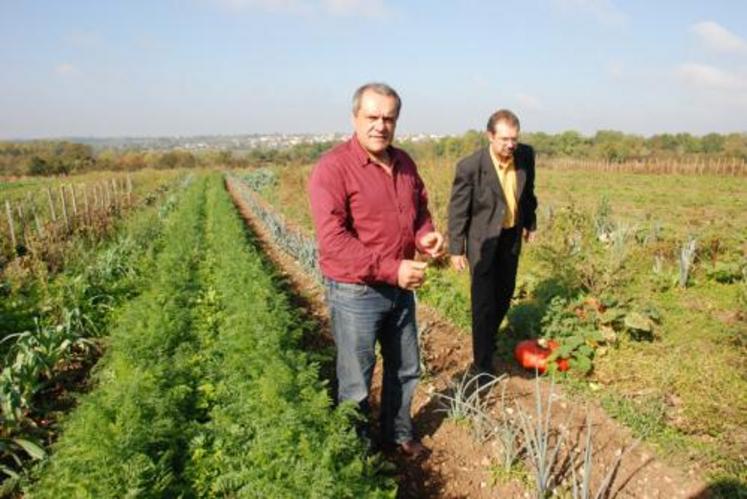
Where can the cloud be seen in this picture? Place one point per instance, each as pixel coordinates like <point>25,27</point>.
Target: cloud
<point>529,102</point>
<point>604,10</point>
<point>352,8</point>
<point>717,38</point>
<point>710,77</point>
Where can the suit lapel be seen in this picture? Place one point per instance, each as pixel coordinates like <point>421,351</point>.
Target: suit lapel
<point>521,174</point>
<point>521,180</point>
<point>490,176</point>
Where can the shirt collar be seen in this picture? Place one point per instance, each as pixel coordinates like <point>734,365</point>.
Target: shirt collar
<point>497,162</point>
<point>362,157</point>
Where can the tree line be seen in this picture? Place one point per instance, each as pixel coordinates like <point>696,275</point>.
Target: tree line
<point>64,157</point>
<point>605,145</point>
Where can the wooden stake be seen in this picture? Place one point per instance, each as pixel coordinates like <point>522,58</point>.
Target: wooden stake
<point>39,229</point>
<point>9,212</point>
<point>86,207</point>
<point>75,203</point>
<point>115,196</point>
<point>64,207</point>
<point>51,205</point>
<point>95,197</point>
<point>108,194</point>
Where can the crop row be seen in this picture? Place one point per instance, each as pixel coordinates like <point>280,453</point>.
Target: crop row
<point>205,390</point>
<point>50,322</point>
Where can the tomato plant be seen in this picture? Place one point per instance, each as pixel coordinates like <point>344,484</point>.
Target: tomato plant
<point>534,353</point>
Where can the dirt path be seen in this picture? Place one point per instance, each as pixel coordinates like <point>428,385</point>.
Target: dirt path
<point>461,467</point>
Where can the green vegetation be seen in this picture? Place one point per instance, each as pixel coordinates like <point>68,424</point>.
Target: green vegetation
<point>46,217</point>
<point>204,390</point>
<point>51,325</point>
<point>667,357</point>
<point>726,153</point>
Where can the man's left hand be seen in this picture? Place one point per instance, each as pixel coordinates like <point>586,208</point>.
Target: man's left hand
<point>529,235</point>
<point>433,244</point>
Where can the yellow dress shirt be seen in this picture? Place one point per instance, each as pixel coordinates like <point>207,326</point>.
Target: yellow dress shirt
<point>507,176</point>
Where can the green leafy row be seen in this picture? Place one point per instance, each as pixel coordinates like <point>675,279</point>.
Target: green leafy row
<point>205,391</point>
<point>128,437</point>
<point>271,431</point>
<point>48,326</point>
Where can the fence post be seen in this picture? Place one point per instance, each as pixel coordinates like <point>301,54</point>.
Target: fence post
<point>9,212</point>
<point>51,205</point>
<point>115,195</point>
<point>75,203</point>
<point>64,206</point>
<point>96,203</point>
<point>39,229</point>
<point>108,195</point>
<point>86,206</point>
<point>129,190</point>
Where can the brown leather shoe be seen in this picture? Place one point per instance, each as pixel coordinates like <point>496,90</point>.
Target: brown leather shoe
<point>414,449</point>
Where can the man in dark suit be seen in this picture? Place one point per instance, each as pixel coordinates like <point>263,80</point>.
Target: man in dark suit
<point>492,208</point>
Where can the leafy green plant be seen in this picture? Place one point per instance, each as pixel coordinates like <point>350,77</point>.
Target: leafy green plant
<point>577,337</point>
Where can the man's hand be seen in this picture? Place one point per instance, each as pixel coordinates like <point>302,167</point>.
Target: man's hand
<point>459,262</point>
<point>411,274</point>
<point>528,235</point>
<point>433,244</point>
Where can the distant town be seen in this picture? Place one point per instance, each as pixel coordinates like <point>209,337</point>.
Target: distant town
<point>225,142</point>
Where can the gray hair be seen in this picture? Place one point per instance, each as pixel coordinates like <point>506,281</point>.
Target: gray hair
<point>505,116</point>
<point>378,88</point>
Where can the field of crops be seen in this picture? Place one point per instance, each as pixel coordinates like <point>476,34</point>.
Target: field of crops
<point>203,388</point>
<point>642,277</point>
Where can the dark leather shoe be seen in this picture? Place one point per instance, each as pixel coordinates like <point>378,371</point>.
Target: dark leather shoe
<point>414,449</point>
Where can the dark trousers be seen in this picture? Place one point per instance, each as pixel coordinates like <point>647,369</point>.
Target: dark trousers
<point>493,284</point>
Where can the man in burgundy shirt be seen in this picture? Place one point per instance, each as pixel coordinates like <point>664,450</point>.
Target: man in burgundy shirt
<point>370,210</point>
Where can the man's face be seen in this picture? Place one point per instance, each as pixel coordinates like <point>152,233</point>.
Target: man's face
<point>375,122</point>
<point>503,140</point>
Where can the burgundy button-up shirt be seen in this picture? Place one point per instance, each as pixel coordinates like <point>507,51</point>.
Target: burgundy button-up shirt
<point>366,221</point>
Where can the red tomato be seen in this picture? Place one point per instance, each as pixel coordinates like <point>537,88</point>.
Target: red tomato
<point>530,354</point>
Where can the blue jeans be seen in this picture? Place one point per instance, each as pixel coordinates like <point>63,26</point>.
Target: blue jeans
<point>361,315</point>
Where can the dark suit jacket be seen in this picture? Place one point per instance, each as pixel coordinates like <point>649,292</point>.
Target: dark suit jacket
<point>477,204</point>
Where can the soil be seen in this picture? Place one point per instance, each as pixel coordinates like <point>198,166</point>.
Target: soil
<point>460,466</point>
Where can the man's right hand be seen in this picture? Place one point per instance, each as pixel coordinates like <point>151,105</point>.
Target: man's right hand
<point>459,262</point>
<point>411,274</point>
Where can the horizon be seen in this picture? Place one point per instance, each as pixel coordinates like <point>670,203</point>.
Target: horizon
<point>187,68</point>
<point>398,136</point>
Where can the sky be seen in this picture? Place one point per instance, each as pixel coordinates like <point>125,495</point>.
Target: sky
<point>93,68</point>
